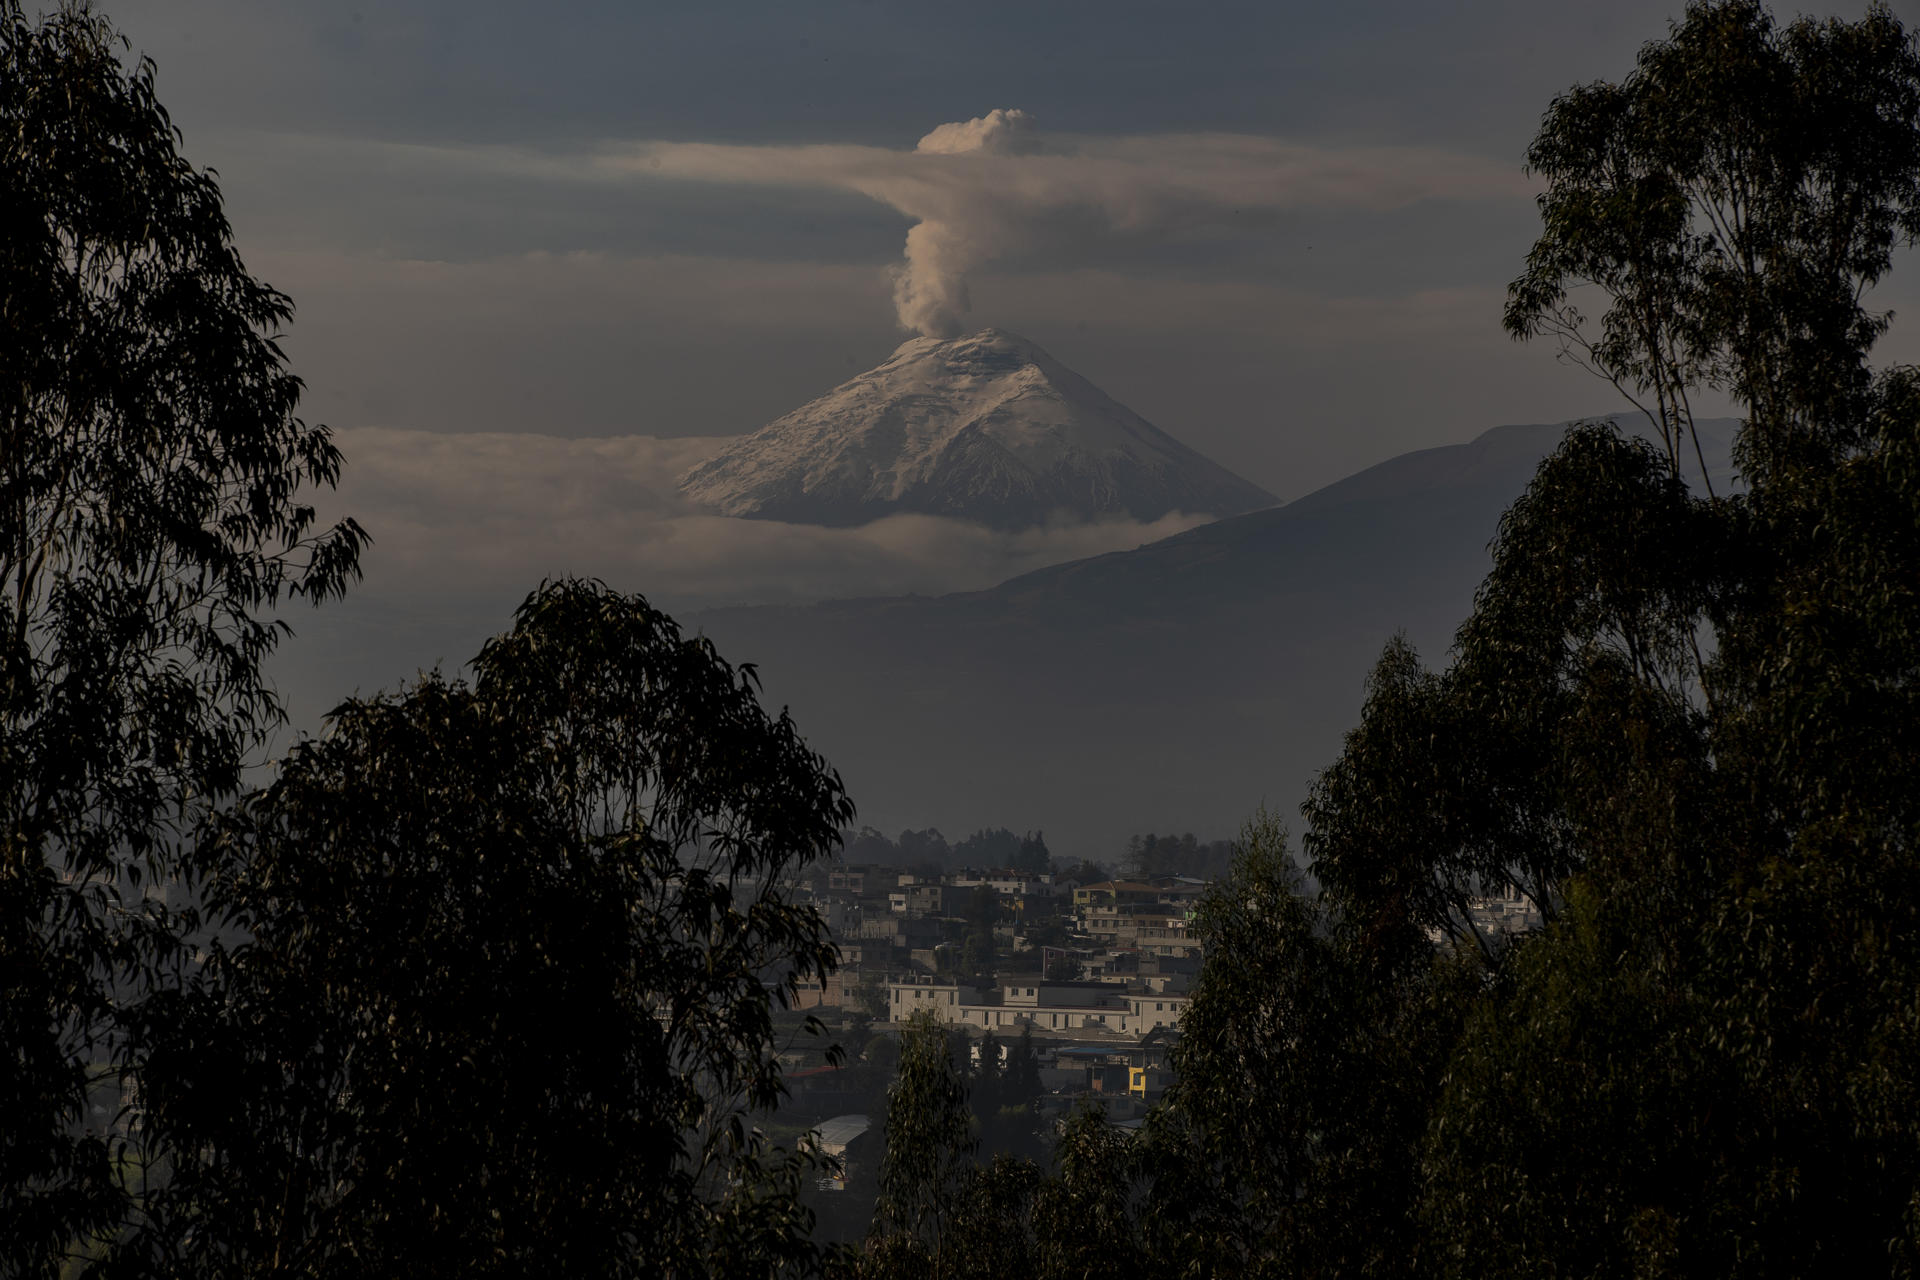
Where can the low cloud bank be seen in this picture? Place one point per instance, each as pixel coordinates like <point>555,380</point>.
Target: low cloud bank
<point>455,515</point>
<point>465,525</point>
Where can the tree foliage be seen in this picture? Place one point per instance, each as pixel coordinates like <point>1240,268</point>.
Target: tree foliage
<point>1681,722</point>
<point>1731,758</point>
<point>1150,856</point>
<point>943,1216</point>
<point>504,1000</point>
<point>1732,200</point>
<point>154,509</point>
<point>929,1147</point>
<point>1084,1216</point>
<point>1305,1072</point>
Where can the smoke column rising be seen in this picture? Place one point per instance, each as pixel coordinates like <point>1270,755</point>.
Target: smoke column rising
<point>981,189</point>
<point>930,287</point>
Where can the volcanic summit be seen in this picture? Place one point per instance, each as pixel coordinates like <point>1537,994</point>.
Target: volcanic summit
<point>985,427</point>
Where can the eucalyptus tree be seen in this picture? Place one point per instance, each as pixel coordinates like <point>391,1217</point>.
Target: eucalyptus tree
<point>1304,1075</point>
<point>504,1003</point>
<point>154,509</point>
<point>1732,201</point>
<point>928,1161</point>
<point>1686,722</point>
<point>1085,1216</point>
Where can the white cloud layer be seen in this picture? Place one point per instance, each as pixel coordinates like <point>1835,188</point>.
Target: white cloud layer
<point>460,515</point>
<point>466,524</point>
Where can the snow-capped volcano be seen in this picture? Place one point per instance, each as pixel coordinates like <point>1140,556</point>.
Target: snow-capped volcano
<point>985,427</point>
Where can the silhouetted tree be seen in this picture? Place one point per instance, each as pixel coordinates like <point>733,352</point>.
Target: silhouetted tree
<point>1020,1081</point>
<point>994,847</point>
<point>868,846</point>
<point>871,995</point>
<point>1032,858</point>
<point>1086,1216</point>
<point>1686,725</point>
<point>504,1003</point>
<point>925,852</point>
<point>154,483</point>
<point>991,1235</point>
<point>1151,855</point>
<point>929,1147</point>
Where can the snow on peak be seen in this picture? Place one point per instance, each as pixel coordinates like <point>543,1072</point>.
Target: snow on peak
<point>986,426</point>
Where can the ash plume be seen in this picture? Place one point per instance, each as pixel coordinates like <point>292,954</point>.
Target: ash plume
<point>983,189</point>
<point>930,286</point>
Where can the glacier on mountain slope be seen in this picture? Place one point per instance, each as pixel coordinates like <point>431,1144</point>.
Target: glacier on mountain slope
<point>985,427</point>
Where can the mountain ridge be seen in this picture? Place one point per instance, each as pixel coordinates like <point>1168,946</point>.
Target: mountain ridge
<point>1176,686</point>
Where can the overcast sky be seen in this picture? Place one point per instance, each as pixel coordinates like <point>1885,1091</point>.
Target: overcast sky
<point>1280,231</point>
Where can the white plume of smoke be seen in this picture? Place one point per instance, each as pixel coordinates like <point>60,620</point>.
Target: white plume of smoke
<point>1004,131</point>
<point>983,189</point>
<point>930,287</point>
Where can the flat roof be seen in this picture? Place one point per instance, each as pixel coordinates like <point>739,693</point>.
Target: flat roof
<point>841,1130</point>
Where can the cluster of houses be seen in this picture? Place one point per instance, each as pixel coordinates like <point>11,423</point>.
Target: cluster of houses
<point>1495,917</point>
<point>1095,977</point>
<point>1097,974</point>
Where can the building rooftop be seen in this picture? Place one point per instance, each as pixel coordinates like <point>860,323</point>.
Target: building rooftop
<point>841,1130</point>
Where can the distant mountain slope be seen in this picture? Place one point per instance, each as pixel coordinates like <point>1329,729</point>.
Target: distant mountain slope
<point>1173,687</point>
<point>985,427</point>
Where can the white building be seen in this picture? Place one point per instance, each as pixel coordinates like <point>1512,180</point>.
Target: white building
<point>1045,1005</point>
<point>1008,884</point>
